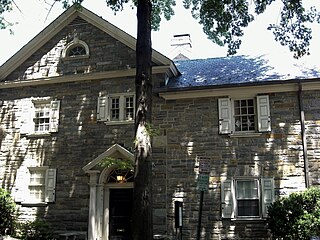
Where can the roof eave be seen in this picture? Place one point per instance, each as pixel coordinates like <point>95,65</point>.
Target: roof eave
<point>286,85</point>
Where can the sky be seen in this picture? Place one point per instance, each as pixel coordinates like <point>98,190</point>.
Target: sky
<point>34,15</point>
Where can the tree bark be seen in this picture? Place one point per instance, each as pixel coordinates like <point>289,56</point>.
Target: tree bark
<point>142,199</point>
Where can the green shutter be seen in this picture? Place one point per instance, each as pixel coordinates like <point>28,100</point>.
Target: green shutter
<point>227,199</point>
<point>225,117</point>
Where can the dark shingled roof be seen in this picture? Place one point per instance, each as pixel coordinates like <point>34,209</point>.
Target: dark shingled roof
<point>237,70</point>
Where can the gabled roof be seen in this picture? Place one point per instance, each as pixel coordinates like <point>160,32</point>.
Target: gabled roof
<point>115,151</point>
<point>62,21</point>
<point>237,70</point>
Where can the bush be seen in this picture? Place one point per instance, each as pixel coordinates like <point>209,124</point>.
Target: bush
<point>296,216</point>
<point>34,230</point>
<point>7,213</point>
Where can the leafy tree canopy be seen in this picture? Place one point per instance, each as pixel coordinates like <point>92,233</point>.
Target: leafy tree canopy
<point>224,21</point>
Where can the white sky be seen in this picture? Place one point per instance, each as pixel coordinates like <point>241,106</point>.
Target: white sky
<point>257,40</point>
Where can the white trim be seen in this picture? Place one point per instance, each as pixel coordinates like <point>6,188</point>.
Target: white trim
<point>62,21</point>
<point>114,150</point>
<point>80,77</point>
<point>73,44</point>
<point>240,91</point>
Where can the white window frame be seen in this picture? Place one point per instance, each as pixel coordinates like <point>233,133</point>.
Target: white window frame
<point>28,116</point>
<point>227,115</point>
<point>229,200</point>
<point>73,44</point>
<point>104,108</point>
<point>22,190</point>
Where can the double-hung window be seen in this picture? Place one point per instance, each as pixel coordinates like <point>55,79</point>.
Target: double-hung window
<point>35,185</point>
<point>244,115</point>
<point>39,116</point>
<point>42,118</point>
<point>116,108</point>
<point>246,198</point>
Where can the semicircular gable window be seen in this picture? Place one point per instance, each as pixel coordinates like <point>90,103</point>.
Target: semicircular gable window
<point>76,49</point>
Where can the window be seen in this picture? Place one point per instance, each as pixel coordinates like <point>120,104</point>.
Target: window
<point>37,185</point>
<point>116,108</point>
<point>42,118</point>
<point>246,197</point>
<point>39,189</point>
<point>244,115</point>
<point>76,51</point>
<point>39,116</point>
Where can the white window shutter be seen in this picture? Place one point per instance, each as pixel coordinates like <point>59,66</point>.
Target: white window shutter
<point>263,108</point>
<point>102,109</point>
<point>267,186</point>
<point>224,115</point>
<point>227,199</point>
<point>20,190</point>
<point>27,114</point>
<point>50,185</point>
<point>54,115</point>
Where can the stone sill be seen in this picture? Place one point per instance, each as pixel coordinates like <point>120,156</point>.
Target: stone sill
<point>244,219</point>
<point>245,135</point>
<point>33,204</point>
<point>118,123</point>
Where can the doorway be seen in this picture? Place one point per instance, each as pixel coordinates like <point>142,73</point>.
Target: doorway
<point>120,210</point>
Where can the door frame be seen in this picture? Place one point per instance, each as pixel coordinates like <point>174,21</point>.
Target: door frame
<point>98,222</point>
<point>106,205</point>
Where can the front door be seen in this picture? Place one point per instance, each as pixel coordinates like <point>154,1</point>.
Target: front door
<point>120,210</point>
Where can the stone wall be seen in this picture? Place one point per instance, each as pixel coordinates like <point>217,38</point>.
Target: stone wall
<point>189,131</point>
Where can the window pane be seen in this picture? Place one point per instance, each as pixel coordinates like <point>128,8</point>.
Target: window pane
<point>248,208</point>
<point>37,185</point>
<point>77,51</point>
<point>115,109</point>
<point>129,108</point>
<point>42,118</point>
<point>247,189</point>
<point>244,114</point>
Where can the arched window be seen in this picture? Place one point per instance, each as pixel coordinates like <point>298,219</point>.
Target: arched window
<point>76,49</point>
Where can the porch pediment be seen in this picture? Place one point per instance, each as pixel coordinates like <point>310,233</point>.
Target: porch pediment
<point>115,151</point>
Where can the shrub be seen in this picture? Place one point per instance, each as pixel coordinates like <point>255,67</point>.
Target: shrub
<point>296,216</point>
<point>7,213</point>
<point>35,230</point>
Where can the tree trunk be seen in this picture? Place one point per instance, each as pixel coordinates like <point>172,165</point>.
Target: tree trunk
<point>142,199</point>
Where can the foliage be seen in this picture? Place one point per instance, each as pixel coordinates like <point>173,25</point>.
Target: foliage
<point>296,216</point>
<point>7,213</point>
<point>224,22</point>
<point>122,164</point>
<point>34,230</point>
<point>5,6</point>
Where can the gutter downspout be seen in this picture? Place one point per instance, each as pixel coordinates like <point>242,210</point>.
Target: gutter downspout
<point>303,136</point>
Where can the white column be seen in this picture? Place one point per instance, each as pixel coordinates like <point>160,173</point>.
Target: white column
<point>92,228</point>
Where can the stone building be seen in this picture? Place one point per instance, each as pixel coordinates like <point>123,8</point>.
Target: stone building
<point>67,104</point>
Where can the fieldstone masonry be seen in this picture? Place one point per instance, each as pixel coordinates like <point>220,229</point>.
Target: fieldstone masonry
<point>188,129</point>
